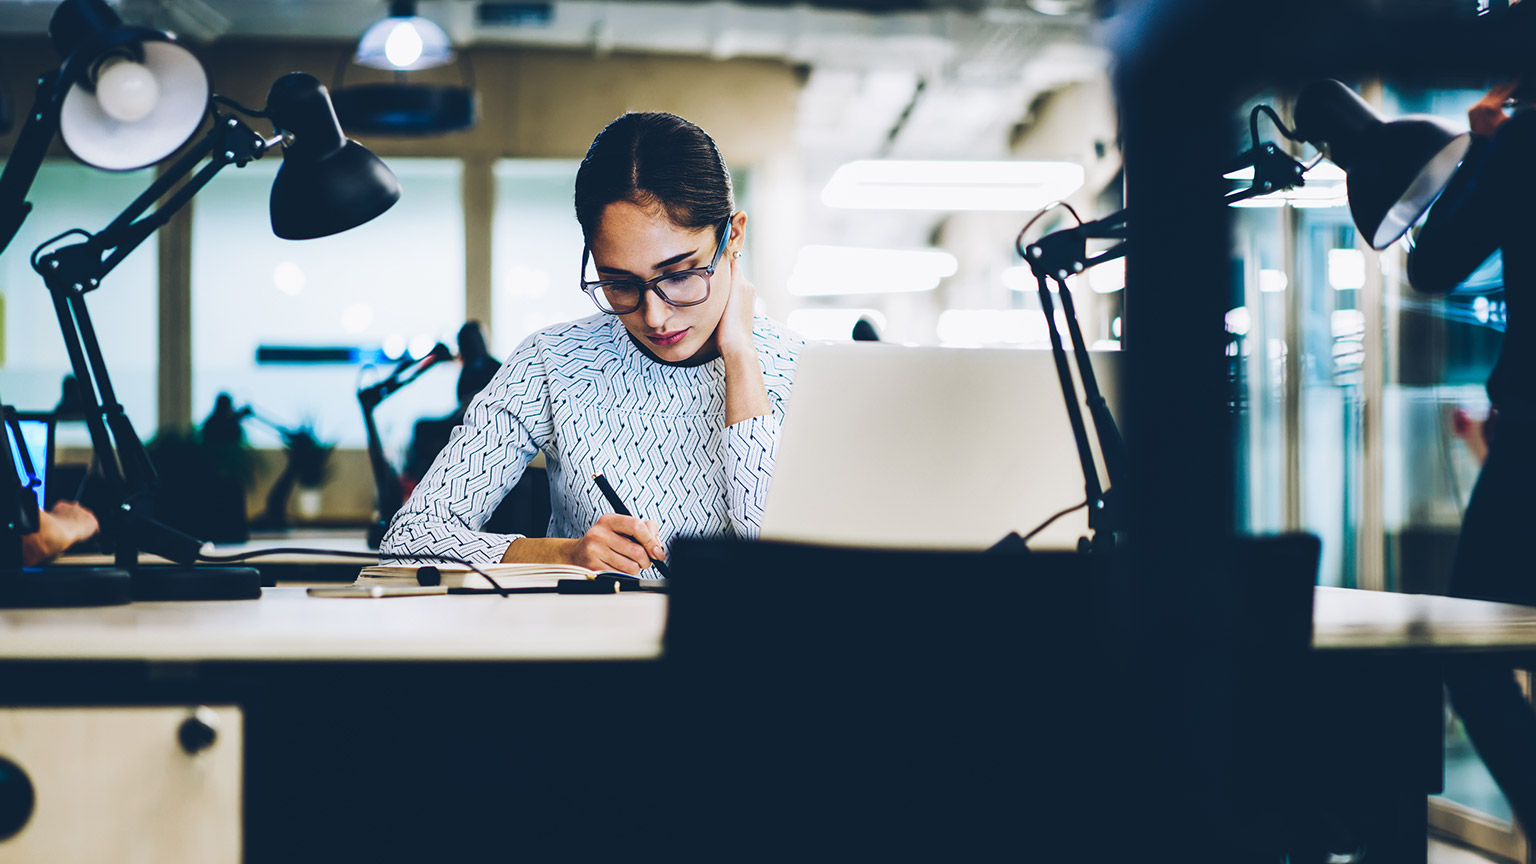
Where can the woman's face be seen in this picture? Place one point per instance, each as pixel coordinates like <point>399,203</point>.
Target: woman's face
<point>641,243</point>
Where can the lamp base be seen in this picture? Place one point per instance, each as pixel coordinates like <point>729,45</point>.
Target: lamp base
<point>196,583</point>
<point>58,587</point>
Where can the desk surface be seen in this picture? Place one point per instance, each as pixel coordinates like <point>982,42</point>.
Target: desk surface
<point>287,624</point>
<point>342,540</point>
<point>1347,619</point>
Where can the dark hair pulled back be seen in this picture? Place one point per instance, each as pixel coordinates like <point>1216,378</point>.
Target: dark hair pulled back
<point>654,159</point>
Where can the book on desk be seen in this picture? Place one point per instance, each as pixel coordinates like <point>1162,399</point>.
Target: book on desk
<point>510,576</point>
<point>521,575</point>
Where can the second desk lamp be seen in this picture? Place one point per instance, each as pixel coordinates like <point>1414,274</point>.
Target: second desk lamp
<point>327,184</point>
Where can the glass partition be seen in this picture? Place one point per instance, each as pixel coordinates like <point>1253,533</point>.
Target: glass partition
<point>125,310</point>
<point>374,294</point>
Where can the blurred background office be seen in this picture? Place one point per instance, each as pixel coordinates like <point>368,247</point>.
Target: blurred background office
<point>851,127</point>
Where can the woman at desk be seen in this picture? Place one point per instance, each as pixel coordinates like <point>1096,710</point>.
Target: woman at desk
<point>674,391</point>
<point>1487,206</point>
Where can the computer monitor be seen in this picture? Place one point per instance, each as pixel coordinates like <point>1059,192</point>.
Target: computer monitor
<point>37,437</point>
<point>893,446</point>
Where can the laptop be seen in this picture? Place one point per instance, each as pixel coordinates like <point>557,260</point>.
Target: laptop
<point>906,447</point>
<point>36,436</point>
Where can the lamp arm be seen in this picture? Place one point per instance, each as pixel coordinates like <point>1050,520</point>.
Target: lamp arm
<point>72,271</point>
<point>1111,444</point>
<point>403,374</point>
<point>1095,492</point>
<point>386,480</point>
<point>27,157</point>
<point>229,141</point>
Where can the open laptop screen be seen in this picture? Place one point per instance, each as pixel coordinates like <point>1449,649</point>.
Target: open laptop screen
<point>895,446</point>
<point>37,438</point>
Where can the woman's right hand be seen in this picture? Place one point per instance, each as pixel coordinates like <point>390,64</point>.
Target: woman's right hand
<point>621,543</point>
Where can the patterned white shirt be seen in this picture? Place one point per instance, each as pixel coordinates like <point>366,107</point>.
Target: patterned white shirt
<point>588,397</point>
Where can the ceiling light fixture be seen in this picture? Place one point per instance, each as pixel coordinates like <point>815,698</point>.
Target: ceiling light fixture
<point>404,41</point>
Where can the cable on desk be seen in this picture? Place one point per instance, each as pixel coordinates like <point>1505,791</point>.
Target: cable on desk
<point>1046,524</point>
<point>340,553</point>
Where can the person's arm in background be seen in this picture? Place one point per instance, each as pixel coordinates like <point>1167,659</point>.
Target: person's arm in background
<point>57,529</point>
<point>1465,225</point>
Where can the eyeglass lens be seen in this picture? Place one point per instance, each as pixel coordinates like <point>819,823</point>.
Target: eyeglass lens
<point>680,290</point>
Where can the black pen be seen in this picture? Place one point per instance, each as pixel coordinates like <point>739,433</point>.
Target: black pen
<point>618,507</point>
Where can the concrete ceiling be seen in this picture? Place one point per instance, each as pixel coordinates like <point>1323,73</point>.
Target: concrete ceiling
<point>901,78</point>
<point>953,79</point>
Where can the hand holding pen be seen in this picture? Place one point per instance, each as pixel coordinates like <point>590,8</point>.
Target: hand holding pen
<point>634,535</point>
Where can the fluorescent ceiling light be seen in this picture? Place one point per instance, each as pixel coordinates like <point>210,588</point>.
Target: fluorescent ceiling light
<point>1346,269</point>
<point>902,185</point>
<point>851,270</point>
<point>1271,281</point>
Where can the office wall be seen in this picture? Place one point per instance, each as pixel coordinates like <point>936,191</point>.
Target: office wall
<point>533,104</point>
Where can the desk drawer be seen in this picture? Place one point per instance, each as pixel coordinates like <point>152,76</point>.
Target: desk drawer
<point>119,784</point>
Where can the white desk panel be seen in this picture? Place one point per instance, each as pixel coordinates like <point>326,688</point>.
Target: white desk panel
<point>287,624</point>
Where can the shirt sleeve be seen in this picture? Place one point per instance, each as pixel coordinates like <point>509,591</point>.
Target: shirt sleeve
<point>750,447</point>
<point>1467,223</point>
<point>503,428</point>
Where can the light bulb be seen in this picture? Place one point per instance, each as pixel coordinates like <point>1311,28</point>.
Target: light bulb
<point>403,47</point>
<point>126,91</point>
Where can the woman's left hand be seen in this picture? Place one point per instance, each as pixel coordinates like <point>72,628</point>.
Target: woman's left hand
<point>735,330</point>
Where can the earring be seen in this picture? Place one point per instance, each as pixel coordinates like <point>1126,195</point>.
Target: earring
<point>736,254</point>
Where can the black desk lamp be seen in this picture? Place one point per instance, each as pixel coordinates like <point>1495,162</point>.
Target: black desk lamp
<point>326,185</point>
<point>386,481</point>
<point>1395,170</point>
<point>122,98</point>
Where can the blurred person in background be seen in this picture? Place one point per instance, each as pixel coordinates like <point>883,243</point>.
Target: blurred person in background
<point>1487,207</point>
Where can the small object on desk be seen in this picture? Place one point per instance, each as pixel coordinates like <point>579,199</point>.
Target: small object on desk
<point>516,574</point>
<point>617,504</point>
<point>376,592</point>
<point>587,586</point>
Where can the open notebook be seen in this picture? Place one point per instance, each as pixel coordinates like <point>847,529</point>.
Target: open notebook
<point>459,576</point>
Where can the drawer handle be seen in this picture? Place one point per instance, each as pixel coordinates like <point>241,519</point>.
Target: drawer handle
<point>16,799</point>
<point>199,731</point>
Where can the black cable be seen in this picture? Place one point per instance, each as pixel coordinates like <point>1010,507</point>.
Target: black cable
<point>340,553</point>
<point>249,112</point>
<point>1018,243</point>
<point>37,253</point>
<point>1047,523</point>
<point>1253,124</point>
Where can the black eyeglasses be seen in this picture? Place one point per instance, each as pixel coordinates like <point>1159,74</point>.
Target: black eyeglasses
<point>683,288</point>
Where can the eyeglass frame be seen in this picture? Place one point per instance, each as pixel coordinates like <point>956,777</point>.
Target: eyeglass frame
<point>708,273</point>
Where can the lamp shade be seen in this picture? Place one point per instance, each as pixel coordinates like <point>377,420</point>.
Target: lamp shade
<point>327,184</point>
<point>1395,168</point>
<point>404,41</point>
<point>131,95</point>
